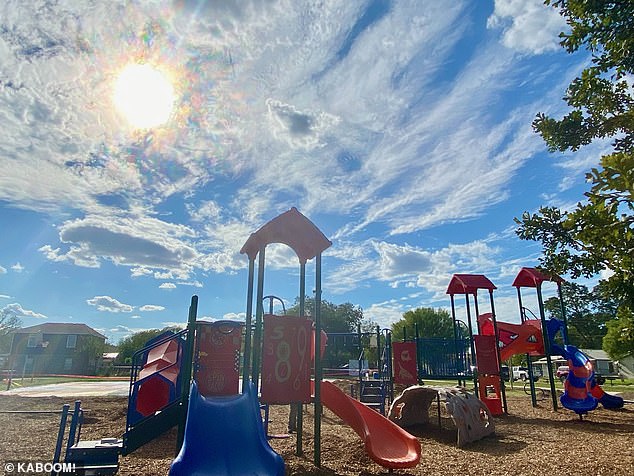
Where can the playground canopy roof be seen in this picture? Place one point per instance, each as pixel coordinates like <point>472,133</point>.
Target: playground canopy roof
<point>532,278</point>
<point>290,228</point>
<point>469,284</point>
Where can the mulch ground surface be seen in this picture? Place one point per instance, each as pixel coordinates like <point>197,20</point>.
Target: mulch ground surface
<point>527,441</point>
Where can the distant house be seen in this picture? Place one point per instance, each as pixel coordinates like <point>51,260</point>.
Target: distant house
<point>601,362</point>
<point>56,348</point>
<point>626,366</point>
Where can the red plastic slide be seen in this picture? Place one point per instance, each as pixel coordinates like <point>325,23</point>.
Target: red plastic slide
<point>385,442</point>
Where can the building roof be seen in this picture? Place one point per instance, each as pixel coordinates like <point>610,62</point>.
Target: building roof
<point>594,354</point>
<point>60,328</point>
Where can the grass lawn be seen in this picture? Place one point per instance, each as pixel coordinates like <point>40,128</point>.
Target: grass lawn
<point>517,387</point>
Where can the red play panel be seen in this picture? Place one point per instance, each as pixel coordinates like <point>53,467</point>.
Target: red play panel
<point>405,371</point>
<point>486,355</point>
<point>218,369</point>
<point>153,395</point>
<point>286,358</point>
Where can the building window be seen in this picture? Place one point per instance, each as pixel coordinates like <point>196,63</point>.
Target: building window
<point>71,341</point>
<point>32,342</point>
<point>68,364</point>
<point>28,364</point>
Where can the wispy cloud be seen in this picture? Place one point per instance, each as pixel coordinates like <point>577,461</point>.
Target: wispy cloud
<point>18,311</point>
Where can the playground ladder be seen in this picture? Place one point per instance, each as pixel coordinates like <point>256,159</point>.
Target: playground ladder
<point>372,394</point>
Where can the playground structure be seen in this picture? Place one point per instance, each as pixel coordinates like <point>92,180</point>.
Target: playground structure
<point>221,431</point>
<point>287,350</point>
<point>282,353</point>
<point>495,342</point>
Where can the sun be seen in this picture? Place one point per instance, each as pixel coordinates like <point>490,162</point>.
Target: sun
<point>144,96</point>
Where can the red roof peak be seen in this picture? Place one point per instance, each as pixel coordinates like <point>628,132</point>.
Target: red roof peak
<point>469,284</point>
<point>533,277</point>
<point>290,228</point>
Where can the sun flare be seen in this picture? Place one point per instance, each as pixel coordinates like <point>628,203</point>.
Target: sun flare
<point>144,96</point>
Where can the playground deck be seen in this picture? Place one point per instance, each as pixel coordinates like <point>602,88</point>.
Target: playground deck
<point>530,441</point>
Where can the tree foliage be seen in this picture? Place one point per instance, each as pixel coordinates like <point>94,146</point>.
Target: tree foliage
<point>429,321</point>
<point>344,317</point>
<point>598,234</point>
<point>134,342</point>
<point>588,312</point>
<point>8,323</point>
<point>619,340</point>
<point>93,348</point>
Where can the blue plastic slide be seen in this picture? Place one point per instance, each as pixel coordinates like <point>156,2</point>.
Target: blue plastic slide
<point>577,395</point>
<point>225,436</point>
<point>582,393</point>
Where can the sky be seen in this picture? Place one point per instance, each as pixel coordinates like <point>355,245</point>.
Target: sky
<point>401,129</point>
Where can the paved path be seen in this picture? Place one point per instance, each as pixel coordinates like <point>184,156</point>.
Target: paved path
<point>73,389</point>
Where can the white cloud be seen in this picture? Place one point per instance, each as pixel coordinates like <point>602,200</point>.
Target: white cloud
<point>179,325</point>
<point>385,314</point>
<point>3,270</point>
<point>207,210</point>
<point>109,304</point>
<point>528,26</point>
<point>410,266</point>
<point>120,331</point>
<point>151,308</point>
<point>17,267</point>
<point>4,296</point>
<point>235,316</point>
<point>18,311</point>
<point>167,286</point>
<point>576,165</point>
<point>299,129</point>
<point>140,243</point>
<point>195,284</point>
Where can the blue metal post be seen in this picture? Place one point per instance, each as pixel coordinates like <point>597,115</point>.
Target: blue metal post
<point>60,434</point>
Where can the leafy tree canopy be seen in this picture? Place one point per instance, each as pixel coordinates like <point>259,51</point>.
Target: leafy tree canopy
<point>334,317</point>
<point>587,312</point>
<point>430,322</point>
<point>134,342</point>
<point>598,234</point>
<point>619,340</point>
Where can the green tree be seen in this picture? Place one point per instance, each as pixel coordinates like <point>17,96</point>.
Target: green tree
<point>134,342</point>
<point>619,340</point>
<point>8,323</point>
<point>430,322</point>
<point>344,317</point>
<point>598,234</point>
<point>587,312</point>
<point>93,348</point>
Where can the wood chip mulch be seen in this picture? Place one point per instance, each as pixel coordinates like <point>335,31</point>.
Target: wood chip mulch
<point>527,441</point>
